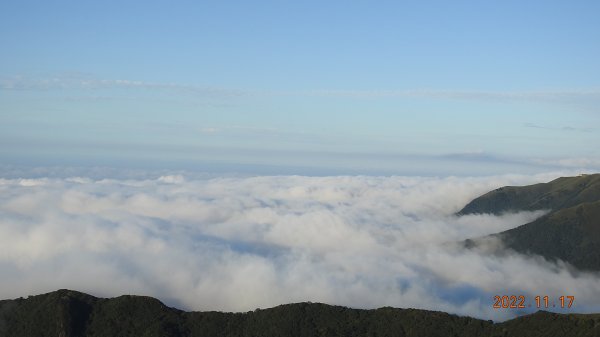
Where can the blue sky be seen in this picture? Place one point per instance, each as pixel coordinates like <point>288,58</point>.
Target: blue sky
<point>393,87</point>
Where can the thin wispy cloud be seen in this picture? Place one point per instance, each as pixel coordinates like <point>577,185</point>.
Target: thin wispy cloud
<point>561,95</point>
<point>591,163</point>
<point>91,83</point>
<point>561,128</point>
<point>209,130</point>
<point>238,243</point>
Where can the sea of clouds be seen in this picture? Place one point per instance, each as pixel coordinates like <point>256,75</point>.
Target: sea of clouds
<point>240,243</point>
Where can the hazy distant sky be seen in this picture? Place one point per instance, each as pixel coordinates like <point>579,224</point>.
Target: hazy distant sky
<point>405,87</point>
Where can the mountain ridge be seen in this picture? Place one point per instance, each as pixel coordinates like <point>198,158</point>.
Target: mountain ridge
<point>68,313</point>
<point>563,192</point>
<point>569,232</point>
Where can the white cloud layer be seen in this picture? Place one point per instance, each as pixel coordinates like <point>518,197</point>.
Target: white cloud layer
<point>238,243</point>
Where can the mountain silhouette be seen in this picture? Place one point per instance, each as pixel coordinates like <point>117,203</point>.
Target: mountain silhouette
<point>67,313</point>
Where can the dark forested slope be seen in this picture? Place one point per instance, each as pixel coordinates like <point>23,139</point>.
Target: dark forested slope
<point>68,313</point>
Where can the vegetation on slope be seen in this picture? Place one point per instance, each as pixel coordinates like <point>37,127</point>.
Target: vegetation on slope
<point>560,193</point>
<point>570,232</point>
<point>66,313</point>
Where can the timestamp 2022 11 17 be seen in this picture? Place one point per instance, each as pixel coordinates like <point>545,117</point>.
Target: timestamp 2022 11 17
<point>540,302</point>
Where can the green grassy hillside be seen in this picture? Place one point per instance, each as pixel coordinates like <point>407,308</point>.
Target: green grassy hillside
<point>569,232</point>
<point>561,193</point>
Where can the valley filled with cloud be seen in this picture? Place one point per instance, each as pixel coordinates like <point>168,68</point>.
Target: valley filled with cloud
<point>236,243</point>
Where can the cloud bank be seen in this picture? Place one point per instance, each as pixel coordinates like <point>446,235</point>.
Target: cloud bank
<point>238,243</point>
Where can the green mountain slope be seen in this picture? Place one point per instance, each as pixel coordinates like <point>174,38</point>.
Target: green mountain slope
<point>569,232</point>
<point>68,313</point>
<point>558,194</point>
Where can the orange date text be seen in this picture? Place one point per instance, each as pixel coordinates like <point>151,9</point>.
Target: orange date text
<point>522,302</point>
